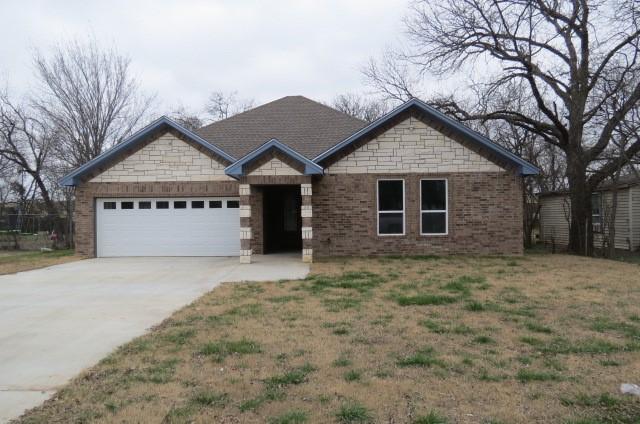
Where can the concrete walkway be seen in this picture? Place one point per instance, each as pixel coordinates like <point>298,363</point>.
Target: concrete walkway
<point>57,321</point>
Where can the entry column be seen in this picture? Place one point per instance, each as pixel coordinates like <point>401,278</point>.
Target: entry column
<point>306,213</point>
<point>245,224</point>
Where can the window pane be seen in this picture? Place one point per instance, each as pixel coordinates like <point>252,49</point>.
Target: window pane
<point>390,223</point>
<point>126,205</point>
<point>434,195</point>
<point>197,204</point>
<point>215,204</point>
<point>434,222</point>
<point>595,204</point>
<point>144,205</point>
<point>162,205</point>
<point>109,205</point>
<point>233,204</point>
<point>390,195</point>
<point>180,204</point>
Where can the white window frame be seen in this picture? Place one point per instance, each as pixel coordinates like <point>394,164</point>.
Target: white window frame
<point>445,210</point>
<point>597,227</point>
<point>378,211</point>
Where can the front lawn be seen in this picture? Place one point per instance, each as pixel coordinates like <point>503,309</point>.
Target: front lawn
<point>539,338</point>
<point>12,261</point>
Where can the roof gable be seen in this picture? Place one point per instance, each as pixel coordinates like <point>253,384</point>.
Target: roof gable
<point>456,128</point>
<point>410,146</point>
<point>140,137</point>
<point>166,157</point>
<point>240,167</point>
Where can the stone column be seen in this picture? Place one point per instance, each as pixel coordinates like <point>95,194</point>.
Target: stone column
<point>245,224</point>
<point>307,227</point>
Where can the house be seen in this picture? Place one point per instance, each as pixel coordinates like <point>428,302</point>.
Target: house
<point>297,175</point>
<point>555,215</point>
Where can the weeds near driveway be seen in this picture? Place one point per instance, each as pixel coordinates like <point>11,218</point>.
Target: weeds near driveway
<point>539,338</point>
<point>18,261</point>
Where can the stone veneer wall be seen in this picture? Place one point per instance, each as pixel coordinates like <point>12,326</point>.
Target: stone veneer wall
<point>485,216</point>
<point>86,194</point>
<point>275,167</point>
<point>165,159</point>
<point>412,146</point>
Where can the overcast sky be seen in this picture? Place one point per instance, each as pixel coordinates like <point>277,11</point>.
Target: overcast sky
<point>183,50</point>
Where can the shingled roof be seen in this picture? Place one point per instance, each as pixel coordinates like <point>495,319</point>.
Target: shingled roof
<point>307,126</point>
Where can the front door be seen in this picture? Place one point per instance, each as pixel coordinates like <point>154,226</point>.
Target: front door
<point>282,221</point>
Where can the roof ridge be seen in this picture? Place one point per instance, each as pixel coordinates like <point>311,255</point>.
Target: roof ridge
<point>241,113</point>
<point>331,108</point>
<point>280,99</point>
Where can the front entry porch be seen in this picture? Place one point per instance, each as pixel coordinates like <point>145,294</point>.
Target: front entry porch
<point>281,218</point>
<point>275,216</point>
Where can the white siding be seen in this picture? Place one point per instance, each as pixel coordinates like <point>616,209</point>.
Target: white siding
<point>635,216</point>
<point>554,224</point>
<point>622,218</point>
<point>555,212</point>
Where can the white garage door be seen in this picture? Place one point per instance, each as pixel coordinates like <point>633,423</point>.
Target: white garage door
<point>187,226</point>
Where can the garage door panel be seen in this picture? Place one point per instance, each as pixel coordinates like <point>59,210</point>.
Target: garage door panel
<point>167,232</point>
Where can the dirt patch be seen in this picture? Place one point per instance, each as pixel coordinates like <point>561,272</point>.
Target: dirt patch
<point>539,338</point>
<point>18,261</point>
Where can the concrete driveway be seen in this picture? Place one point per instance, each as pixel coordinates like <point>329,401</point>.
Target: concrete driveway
<point>56,321</point>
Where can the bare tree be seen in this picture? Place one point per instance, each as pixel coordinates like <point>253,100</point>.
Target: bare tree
<point>572,57</point>
<point>7,174</point>
<point>524,143</point>
<point>367,109</point>
<point>392,78</point>
<point>189,120</point>
<point>27,143</point>
<point>223,105</point>
<point>89,98</point>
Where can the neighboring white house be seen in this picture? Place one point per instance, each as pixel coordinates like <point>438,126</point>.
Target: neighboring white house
<point>555,213</point>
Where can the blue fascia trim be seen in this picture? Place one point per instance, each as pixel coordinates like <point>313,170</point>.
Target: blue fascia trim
<point>236,169</point>
<point>73,178</point>
<point>524,167</point>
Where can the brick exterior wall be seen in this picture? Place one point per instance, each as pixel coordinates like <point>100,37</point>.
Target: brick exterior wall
<point>257,239</point>
<point>84,216</point>
<point>412,146</point>
<point>339,209</point>
<point>166,158</point>
<point>485,216</point>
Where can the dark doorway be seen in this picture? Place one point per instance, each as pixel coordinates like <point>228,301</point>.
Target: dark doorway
<point>282,221</point>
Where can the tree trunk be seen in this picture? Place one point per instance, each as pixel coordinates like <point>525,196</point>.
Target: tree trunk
<point>527,218</point>
<point>580,231</point>
<point>52,210</point>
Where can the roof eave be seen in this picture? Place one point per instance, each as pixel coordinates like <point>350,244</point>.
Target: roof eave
<point>74,177</point>
<point>523,167</point>
<point>236,169</point>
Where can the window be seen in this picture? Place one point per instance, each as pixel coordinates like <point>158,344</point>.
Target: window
<point>390,207</point>
<point>433,207</point>
<point>162,205</point>
<point>144,205</point>
<point>197,204</point>
<point>180,204</point>
<point>109,205</point>
<point>126,205</point>
<point>233,204</point>
<point>596,212</point>
<point>215,204</point>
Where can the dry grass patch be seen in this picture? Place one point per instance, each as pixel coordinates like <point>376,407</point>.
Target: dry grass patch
<point>539,338</point>
<point>18,261</point>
